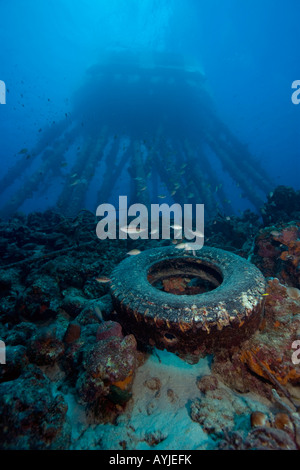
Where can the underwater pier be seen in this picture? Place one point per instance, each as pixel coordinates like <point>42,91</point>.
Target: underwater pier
<point>150,117</point>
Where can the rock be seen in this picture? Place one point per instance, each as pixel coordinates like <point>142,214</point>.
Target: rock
<point>72,359</point>
<point>8,311</point>
<point>69,271</point>
<point>153,384</point>
<point>259,419</point>
<point>207,382</point>
<point>16,361</point>
<point>95,311</point>
<point>32,417</point>
<point>172,395</point>
<point>266,438</point>
<point>40,300</point>
<point>5,282</point>
<point>283,421</point>
<point>93,289</point>
<point>260,438</point>
<point>72,333</point>
<point>21,333</point>
<point>154,438</point>
<point>106,306</point>
<point>269,352</point>
<point>45,348</point>
<point>218,409</point>
<point>73,302</point>
<point>277,252</point>
<point>235,374</point>
<point>267,356</point>
<point>9,279</point>
<point>108,329</point>
<point>109,362</point>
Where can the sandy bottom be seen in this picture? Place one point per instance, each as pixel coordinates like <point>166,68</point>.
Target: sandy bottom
<point>157,416</point>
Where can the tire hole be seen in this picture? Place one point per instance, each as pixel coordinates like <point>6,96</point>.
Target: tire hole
<point>184,277</point>
<point>170,338</point>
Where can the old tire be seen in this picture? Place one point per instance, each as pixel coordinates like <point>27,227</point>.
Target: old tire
<point>188,324</point>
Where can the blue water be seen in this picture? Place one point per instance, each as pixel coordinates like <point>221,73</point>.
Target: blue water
<point>249,51</point>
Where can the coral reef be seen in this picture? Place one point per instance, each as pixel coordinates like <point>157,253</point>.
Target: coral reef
<point>108,370</point>
<point>218,409</point>
<point>52,314</point>
<point>35,419</point>
<point>65,348</point>
<point>277,252</point>
<point>282,206</point>
<point>269,350</point>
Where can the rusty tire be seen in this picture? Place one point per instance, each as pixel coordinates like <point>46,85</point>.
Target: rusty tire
<point>188,324</point>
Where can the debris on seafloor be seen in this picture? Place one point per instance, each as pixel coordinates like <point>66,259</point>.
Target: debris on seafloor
<point>107,391</point>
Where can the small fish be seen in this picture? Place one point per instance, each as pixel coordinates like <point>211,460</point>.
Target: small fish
<point>74,176</point>
<point>129,229</point>
<point>143,188</point>
<point>265,294</point>
<point>75,183</point>
<point>176,227</point>
<point>103,279</point>
<point>28,156</point>
<point>153,232</point>
<point>64,164</point>
<point>23,151</point>
<point>275,233</point>
<point>162,196</point>
<point>173,192</point>
<point>134,252</point>
<point>182,246</point>
<point>191,195</point>
<point>98,313</point>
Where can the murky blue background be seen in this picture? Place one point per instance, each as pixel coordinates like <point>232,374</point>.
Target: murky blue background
<point>249,51</point>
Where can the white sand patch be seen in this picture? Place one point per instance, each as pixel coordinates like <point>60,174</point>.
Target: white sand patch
<point>158,415</point>
<point>165,411</point>
<point>77,416</point>
<point>155,419</point>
